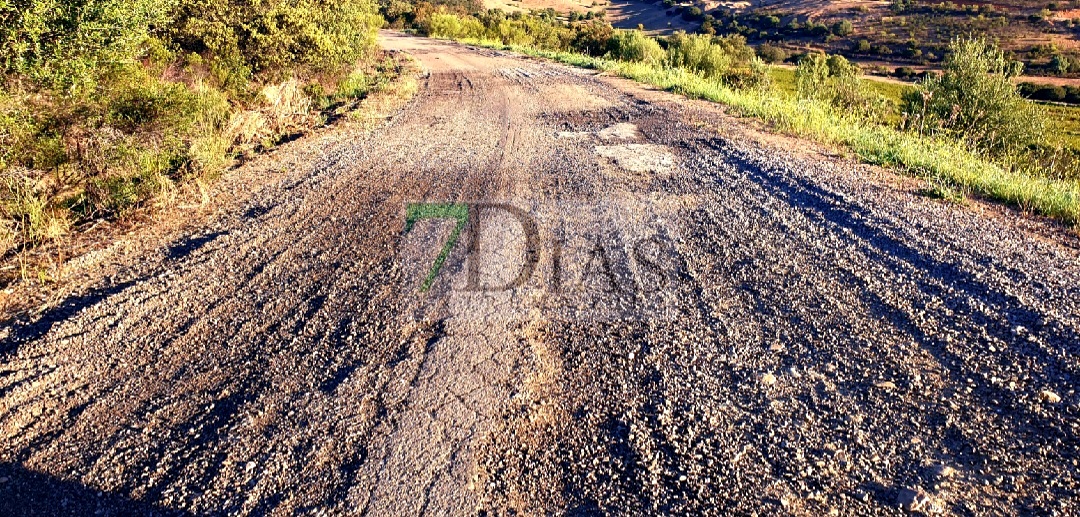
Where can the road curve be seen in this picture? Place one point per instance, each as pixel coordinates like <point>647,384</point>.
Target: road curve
<point>645,307</point>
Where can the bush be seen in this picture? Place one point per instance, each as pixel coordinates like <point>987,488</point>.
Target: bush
<point>69,44</point>
<point>904,72</point>
<point>697,53</point>
<point>445,25</point>
<point>692,13</point>
<point>727,58</point>
<point>843,28</point>
<point>592,38</point>
<point>835,81</point>
<point>1059,64</point>
<point>975,101</point>
<point>816,29</point>
<point>247,37</point>
<point>636,47</point>
<point>108,104</point>
<point>1072,94</point>
<point>1055,93</point>
<point>811,75</point>
<point>1045,92</point>
<point>707,26</point>
<point>771,54</point>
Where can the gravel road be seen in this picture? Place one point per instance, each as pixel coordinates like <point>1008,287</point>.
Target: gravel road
<point>647,307</point>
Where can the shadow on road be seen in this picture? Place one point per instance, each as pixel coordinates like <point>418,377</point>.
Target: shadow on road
<point>26,493</point>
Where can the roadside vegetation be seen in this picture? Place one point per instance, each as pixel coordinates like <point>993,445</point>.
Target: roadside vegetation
<point>965,131</point>
<point>108,107</point>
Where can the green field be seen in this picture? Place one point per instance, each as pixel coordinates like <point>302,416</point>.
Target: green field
<point>1065,118</point>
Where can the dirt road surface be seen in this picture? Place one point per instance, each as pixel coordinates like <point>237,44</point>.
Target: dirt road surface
<point>647,307</point>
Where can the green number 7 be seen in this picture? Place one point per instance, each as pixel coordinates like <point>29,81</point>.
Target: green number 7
<point>457,211</point>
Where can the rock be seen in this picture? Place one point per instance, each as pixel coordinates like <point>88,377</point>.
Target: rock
<point>1049,397</point>
<point>916,501</point>
<point>768,379</point>
<point>944,471</point>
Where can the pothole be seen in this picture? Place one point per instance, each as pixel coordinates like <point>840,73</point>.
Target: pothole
<point>639,157</point>
<point>622,131</point>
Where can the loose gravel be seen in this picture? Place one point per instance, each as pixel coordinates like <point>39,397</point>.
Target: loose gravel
<point>718,321</point>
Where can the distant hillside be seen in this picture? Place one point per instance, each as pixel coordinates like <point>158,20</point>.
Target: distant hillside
<point>1045,36</point>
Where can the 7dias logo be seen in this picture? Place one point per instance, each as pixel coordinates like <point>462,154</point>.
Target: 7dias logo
<point>584,254</point>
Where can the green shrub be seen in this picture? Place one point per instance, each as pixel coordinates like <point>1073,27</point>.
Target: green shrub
<point>771,54</point>
<point>70,44</point>
<point>975,101</point>
<point>1059,64</point>
<point>247,37</point>
<point>108,104</point>
<point>592,38</point>
<point>445,25</point>
<point>1072,94</point>
<point>904,72</point>
<point>636,47</point>
<point>696,52</point>
<point>692,13</point>
<point>811,75</point>
<point>1044,92</point>
<point>835,81</point>
<point>842,28</point>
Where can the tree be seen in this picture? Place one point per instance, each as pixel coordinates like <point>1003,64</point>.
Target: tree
<point>771,54</point>
<point>842,28</point>
<point>1059,64</point>
<point>975,101</point>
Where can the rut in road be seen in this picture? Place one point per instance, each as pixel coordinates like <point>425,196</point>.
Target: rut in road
<point>709,323</point>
